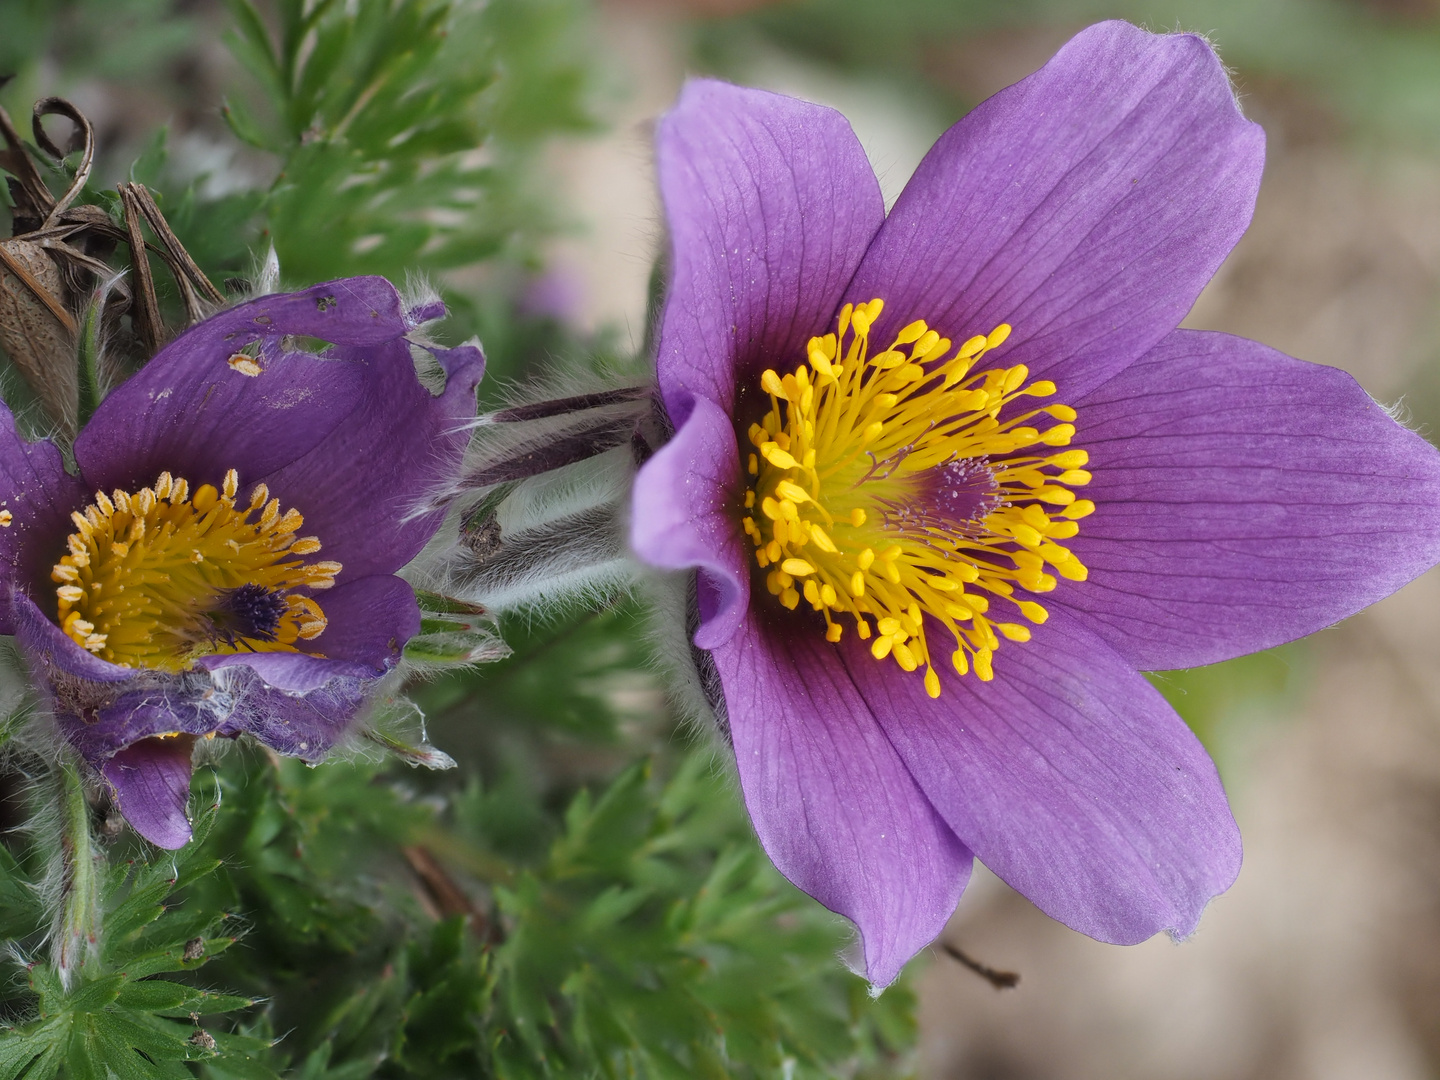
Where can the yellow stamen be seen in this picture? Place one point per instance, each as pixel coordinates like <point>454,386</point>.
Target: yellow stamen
<point>158,577</point>
<point>908,490</point>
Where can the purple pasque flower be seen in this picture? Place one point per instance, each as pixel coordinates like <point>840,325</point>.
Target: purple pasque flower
<point>927,641</point>
<point>223,559</point>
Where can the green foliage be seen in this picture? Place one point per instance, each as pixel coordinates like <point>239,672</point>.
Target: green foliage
<point>128,1009</point>
<point>649,937</point>
<point>657,941</point>
<point>403,125</point>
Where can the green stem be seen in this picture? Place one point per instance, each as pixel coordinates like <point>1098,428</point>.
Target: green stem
<point>78,920</point>
<point>91,388</point>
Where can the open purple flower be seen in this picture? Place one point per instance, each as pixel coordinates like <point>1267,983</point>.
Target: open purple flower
<point>224,559</point>
<point>927,641</point>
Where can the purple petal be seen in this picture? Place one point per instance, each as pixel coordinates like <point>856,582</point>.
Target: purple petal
<point>1243,499</point>
<point>1070,777</point>
<point>54,651</point>
<point>770,203</point>
<point>307,725</point>
<point>685,514</point>
<point>188,412</point>
<point>39,496</point>
<point>1086,205</point>
<point>351,438</point>
<point>834,807</point>
<point>397,442</point>
<point>151,782</point>
<point>369,622</point>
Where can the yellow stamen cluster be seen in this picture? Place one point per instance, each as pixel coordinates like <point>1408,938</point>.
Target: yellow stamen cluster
<point>890,488</point>
<point>147,575</point>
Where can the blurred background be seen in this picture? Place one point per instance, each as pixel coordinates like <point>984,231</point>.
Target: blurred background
<point>1324,960</point>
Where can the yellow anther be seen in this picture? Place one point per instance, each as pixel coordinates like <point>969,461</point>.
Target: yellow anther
<point>1032,611</point>
<point>147,575</point>
<point>972,346</point>
<point>910,333</point>
<point>866,465</point>
<point>788,489</point>
<point>777,457</point>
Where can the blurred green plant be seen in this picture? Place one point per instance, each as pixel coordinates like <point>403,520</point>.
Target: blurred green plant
<point>651,938</point>
<point>1375,64</point>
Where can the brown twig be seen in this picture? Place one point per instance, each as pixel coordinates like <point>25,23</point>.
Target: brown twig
<point>146,312</point>
<point>16,161</point>
<point>55,106</point>
<point>181,264</point>
<point>1001,980</point>
<point>443,894</point>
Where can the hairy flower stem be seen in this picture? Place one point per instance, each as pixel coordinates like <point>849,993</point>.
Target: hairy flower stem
<point>88,358</point>
<point>77,919</point>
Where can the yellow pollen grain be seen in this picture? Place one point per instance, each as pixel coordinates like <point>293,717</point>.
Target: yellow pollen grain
<point>6,519</point>
<point>245,365</point>
<point>849,507</point>
<point>147,574</point>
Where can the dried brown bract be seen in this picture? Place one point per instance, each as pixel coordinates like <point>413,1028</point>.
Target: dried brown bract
<point>58,274</point>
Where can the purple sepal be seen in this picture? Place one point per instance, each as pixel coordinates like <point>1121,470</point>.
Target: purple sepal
<point>424,313</point>
<point>684,515</point>
<point>833,804</point>
<point>1087,206</point>
<point>151,784</point>
<point>54,652</point>
<point>306,726</point>
<point>1070,777</point>
<point>771,203</point>
<point>188,411</point>
<point>39,495</point>
<point>1243,499</point>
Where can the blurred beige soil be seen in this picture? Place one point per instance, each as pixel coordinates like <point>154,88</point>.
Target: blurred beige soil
<point>1324,960</point>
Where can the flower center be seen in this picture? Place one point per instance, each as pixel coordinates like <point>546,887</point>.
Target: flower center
<point>160,576</point>
<point>891,489</point>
